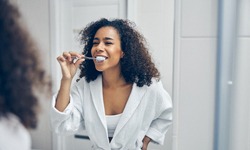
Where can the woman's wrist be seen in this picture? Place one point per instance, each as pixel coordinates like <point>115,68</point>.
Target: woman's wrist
<point>66,79</point>
<point>146,139</point>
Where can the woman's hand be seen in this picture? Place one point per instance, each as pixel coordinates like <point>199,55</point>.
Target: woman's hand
<point>68,65</point>
<point>145,142</point>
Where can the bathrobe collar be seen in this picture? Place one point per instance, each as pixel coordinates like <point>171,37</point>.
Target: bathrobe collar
<point>133,102</point>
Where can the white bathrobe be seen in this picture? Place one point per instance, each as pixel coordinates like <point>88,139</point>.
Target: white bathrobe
<point>13,135</point>
<point>147,112</point>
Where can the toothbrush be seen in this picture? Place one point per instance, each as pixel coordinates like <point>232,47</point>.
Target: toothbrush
<point>97,58</point>
<point>89,58</point>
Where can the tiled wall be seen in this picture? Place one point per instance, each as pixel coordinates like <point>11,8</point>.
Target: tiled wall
<point>194,74</point>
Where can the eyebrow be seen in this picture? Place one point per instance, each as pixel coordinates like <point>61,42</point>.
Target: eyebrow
<point>106,38</point>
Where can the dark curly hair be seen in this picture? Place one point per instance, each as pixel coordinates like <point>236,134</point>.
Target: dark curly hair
<point>136,65</point>
<point>20,69</point>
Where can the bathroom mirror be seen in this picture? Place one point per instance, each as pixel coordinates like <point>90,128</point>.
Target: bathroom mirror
<point>54,24</point>
<point>154,22</point>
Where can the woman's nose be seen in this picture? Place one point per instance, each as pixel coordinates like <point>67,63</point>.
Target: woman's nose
<point>99,50</point>
<point>99,47</point>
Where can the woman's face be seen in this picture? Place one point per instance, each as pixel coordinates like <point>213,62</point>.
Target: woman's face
<point>107,43</point>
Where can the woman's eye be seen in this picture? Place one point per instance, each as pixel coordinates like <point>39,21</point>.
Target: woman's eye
<point>108,43</point>
<point>94,43</point>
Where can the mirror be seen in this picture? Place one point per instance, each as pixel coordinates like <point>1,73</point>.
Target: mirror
<point>54,25</point>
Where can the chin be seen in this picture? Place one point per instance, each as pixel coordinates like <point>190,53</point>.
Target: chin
<point>99,69</point>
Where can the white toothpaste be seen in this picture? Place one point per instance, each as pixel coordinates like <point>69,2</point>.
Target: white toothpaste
<point>100,58</point>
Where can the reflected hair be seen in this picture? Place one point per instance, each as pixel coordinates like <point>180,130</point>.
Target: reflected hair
<point>20,70</point>
<point>136,65</point>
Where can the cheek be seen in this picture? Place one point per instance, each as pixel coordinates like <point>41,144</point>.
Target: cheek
<point>118,52</point>
<point>117,56</point>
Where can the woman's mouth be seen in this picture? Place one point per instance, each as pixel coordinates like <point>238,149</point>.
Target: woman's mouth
<point>100,58</point>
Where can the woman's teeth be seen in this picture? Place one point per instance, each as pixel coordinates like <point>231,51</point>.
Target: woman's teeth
<point>100,58</point>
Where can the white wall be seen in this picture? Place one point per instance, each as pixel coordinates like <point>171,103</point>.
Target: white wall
<point>194,74</point>
<point>155,20</point>
<point>194,77</point>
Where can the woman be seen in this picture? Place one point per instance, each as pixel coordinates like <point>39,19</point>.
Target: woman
<point>120,102</point>
<point>20,74</point>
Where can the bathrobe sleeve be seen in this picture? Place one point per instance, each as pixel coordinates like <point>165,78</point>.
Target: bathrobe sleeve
<point>163,118</point>
<point>71,119</point>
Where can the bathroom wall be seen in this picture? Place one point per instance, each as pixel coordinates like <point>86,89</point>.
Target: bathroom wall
<point>195,41</point>
<point>156,21</point>
<point>195,50</point>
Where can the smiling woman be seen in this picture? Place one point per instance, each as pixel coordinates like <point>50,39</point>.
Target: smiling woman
<point>125,86</point>
<point>127,45</point>
<point>107,39</point>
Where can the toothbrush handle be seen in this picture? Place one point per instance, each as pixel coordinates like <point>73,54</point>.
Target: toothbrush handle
<point>85,58</point>
<point>89,57</point>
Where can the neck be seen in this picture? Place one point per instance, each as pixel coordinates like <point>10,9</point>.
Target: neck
<point>113,79</point>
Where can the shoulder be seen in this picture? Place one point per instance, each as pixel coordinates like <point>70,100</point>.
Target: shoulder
<point>156,86</point>
<point>13,131</point>
<point>83,84</point>
<point>80,82</point>
<point>157,91</point>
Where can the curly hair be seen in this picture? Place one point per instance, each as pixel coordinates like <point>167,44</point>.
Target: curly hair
<point>136,65</point>
<point>20,69</point>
